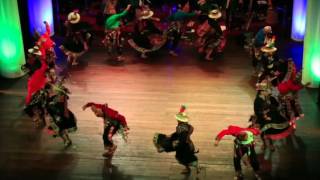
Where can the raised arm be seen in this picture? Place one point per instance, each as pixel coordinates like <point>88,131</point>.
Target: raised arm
<point>48,30</point>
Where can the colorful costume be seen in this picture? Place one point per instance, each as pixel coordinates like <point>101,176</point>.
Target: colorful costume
<point>180,142</point>
<point>62,118</point>
<point>113,40</point>
<point>175,28</point>
<point>113,123</point>
<point>36,107</point>
<point>113,22</point>
<point>243,144</point>
<point>147,37</point>
<point>45,42</point>
<point>288,89</point>
<point>36,81</point>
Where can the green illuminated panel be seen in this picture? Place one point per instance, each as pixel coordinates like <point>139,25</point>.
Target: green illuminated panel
<point>11,44</point>
<point>311,51</point>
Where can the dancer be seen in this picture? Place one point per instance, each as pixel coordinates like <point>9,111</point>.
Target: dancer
<point>210,35</point>
<point>175,29</point>
<point>289,88</point>
<point>243,144</point>
<point>113,40</point>
<point>63,120</point>
<point>36,108</point>
<point>113,122</point>
<point>147,37</point>
<point>44,41</point>
<point>180,141</point>
<point>33,62</point>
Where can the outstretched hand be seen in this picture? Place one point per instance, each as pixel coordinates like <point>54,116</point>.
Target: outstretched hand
<point>216,143</point>
<point>128,7</point>
<point>84,107</point>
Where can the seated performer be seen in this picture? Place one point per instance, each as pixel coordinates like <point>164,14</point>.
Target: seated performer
<point>269,61</point>
<point>264,49</point>
<point>113,123</point>
<point>260,38</point>
<point>180,141</point>
<point>243,144</point>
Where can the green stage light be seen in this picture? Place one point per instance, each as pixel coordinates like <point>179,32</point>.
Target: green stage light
<point>311,50</point>
<point>11,44</point>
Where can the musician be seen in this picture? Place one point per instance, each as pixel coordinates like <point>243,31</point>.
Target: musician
<point>260,38</point>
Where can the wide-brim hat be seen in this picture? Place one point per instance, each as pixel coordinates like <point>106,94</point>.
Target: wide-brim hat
<point>267,49</point>
<point>146,14</point>
<point>74,17</point>
<point>182,117</point>
<point>214,14</point>
<point>35,50</point>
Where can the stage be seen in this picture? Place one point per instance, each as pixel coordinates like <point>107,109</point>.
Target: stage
<point>149,93</point>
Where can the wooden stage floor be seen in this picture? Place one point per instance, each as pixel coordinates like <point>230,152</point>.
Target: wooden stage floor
<point>149,93</point>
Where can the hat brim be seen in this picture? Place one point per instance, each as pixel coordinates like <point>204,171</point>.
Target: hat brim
<point>32,51</point>
<point>147,16</point>
<point>37,53</point>
<point>215,16</point>
<point>74,21</point>
<point>268,49</point>
<point>181,118</point>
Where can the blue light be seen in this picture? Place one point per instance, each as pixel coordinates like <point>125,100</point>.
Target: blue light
<point>299,20</point>
<point>39,11</point>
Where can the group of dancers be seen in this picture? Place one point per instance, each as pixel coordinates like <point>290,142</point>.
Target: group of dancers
<point>138,25</point>
<point>276,106</point>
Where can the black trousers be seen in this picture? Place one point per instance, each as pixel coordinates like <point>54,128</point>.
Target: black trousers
<point>176,36</point>
<point>239,151</point>
<point>106,132</point>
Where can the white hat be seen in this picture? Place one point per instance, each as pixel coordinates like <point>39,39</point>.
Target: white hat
<point>215,14</point>
<point>35,50</point>
<point>146,14</point>
<point>267,49</point>
<point>74,17</point>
